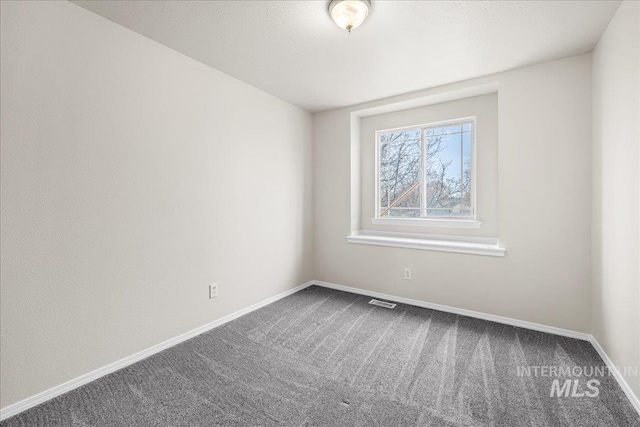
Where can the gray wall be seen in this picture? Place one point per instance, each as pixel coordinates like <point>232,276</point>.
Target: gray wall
<point>132,177</point>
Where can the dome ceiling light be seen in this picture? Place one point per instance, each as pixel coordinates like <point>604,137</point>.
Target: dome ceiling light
<point>349,14</point>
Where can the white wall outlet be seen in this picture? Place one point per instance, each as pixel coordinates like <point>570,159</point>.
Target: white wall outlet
<point>213,290</point>
<point>407,274</point>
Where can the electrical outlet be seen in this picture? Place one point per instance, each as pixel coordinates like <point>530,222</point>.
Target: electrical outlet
<point>407,274</point>
<point>213,290</point>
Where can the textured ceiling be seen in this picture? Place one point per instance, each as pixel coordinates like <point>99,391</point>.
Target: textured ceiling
<point>293,50</point>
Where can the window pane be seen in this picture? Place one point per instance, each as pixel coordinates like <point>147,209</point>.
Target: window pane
<point>444,130</point>
<point>396,136</point>
<point>403,212</point>
<point>436,182</point>
<point>400,174</point>
<point>466,174</point>
<point>452,129</point>
<point>448,171</point>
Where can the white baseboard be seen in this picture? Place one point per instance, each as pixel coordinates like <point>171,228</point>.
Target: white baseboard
<point>635,401</point>
<point>461,311</point>
<point>42,397</point>
<point>499,319</point>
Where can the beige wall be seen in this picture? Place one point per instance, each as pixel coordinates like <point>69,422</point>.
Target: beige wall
<point>544,157</point>
<point>616,190</point>
<point>132,177</point>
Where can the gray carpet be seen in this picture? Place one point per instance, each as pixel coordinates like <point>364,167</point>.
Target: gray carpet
<point>327,358</point>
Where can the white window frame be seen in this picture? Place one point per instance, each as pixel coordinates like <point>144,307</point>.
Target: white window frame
<point>445,222</point>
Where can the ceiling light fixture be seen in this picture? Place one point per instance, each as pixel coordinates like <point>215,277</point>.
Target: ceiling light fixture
<point>349,14</point>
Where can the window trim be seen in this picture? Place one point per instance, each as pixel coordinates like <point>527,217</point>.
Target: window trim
<point>445,222</point>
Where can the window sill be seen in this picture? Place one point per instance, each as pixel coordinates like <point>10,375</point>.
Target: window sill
<point>443,243</point>
<point>427,222</point>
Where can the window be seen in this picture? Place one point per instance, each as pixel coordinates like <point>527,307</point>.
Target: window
<point>427,171</point>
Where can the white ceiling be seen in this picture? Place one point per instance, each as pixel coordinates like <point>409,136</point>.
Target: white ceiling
<point>293,50</point>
